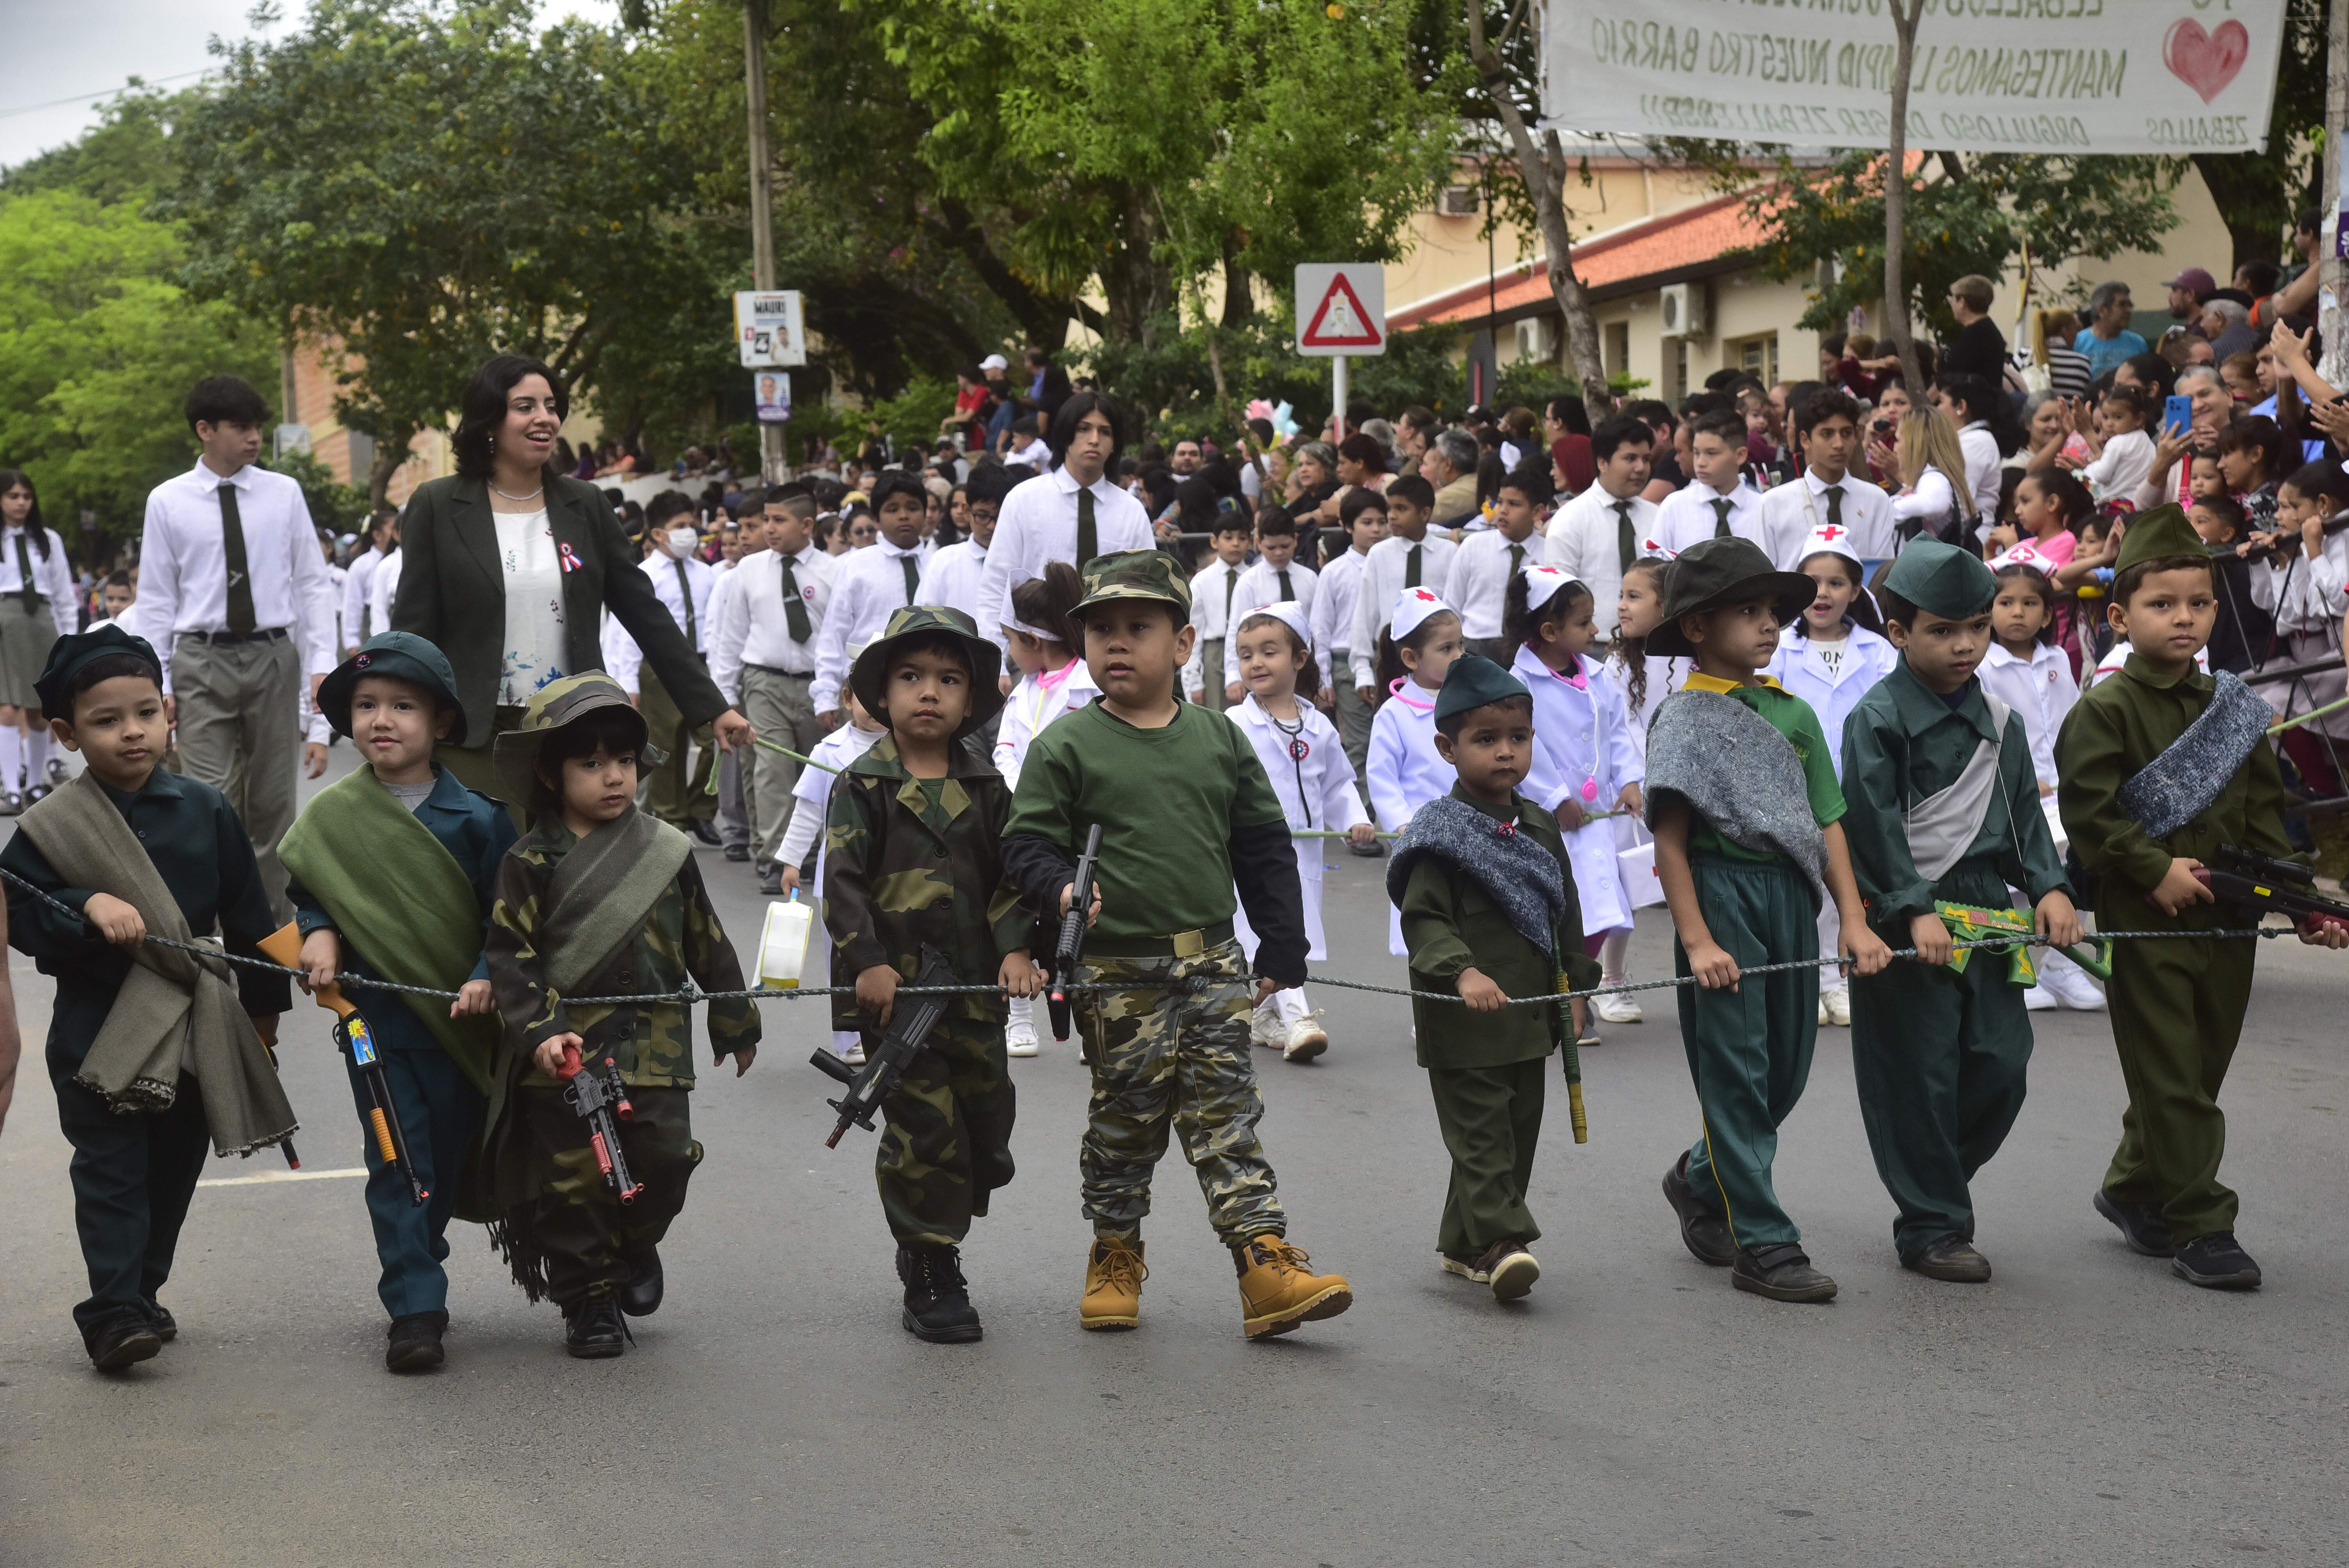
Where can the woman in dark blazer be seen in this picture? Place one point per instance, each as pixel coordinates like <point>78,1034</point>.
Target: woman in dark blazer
<point>509,566</point>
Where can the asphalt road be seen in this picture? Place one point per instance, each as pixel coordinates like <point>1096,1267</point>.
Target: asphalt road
<point>2085,1407</point>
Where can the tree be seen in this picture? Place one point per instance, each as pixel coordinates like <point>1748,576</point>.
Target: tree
<point>420,186</point>
<point>1905,16</point>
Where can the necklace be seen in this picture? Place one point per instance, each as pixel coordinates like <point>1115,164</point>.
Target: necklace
<point>503,495</point>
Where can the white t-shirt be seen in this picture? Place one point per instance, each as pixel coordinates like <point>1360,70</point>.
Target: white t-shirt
<point>536,646</point>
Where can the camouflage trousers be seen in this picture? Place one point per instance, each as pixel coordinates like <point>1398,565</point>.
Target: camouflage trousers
<point>592,1243</point>
<point>1178,1059</point>
<point>947,1141</point>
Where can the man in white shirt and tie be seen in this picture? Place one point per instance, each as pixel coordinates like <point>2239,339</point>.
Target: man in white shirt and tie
<point>1491,557</point>
<point>1828,495</point>
<point>1408,557</point>
<point>870,585</point>
<point>234,594</point>
<point>1717,503</point>
<point>762,657</point>
<point>1072,513</point>
<point>1598,534</point>
<point>684,584</point>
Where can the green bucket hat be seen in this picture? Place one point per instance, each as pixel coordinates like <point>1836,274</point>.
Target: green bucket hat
<point>1151,574</point>
<point>551,707</point>
<point>870,673</point>
<point>400,656</point>
<point>1717,573</point>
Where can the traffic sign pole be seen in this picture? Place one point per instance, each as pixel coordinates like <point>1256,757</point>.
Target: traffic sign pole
<point>1338,394</point>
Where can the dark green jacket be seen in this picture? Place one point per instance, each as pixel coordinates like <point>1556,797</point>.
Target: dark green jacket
<point>1903,744</point>
<point>1450,924</point>
<point>452,593</point>
<point>909,862</point>
<point>2119,725</point>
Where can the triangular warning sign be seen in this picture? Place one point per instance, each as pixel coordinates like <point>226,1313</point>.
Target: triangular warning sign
<point>1339,321</point>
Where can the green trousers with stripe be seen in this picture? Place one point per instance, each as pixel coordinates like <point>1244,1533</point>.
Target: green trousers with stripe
<point>1749,1050</point>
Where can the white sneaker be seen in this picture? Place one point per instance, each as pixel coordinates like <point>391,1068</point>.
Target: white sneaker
<point>1265,1028</point>
<point>2039,999</point>
<point>1838,1004</point>
<point>1617,1008</point>
<point>1020,1034</point>
<point>1824,1019</point>
<point>1305,1039</point>
<point>2071,987</point>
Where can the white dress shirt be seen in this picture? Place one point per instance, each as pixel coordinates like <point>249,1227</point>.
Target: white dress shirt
<point>951,577</point>
<point>183,566</point>
<point>749,625</point>
<point>868,586</point>
<point>1038,524</point>
<point>1687,517</point>
<point>1983,465</point>
<point>1215,605</point>
<point>1383,571</point>
<point>53,576</point>
<point>1585,542</point>
<point>358,599</point>
<point>1335,595</point>
<point>1927,503</point>
<point>671,579</point>
<point>1480,577</point>
<point>385,589</point>
<point>1790,514</point>
<point>1260,585</point>
<point>2041,688</point>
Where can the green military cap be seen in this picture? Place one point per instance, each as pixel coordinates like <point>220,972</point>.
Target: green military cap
<point>552,707</point>
<point>1942,580</point>
<point>2160,535</point>
<point>1716,574</point>
<point>1472,682</point>
<point>1134,574</point>
<point>75,651</point>
<point>870,674</point>
<point>400,656</point>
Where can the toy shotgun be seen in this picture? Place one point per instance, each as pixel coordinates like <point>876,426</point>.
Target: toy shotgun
<point>285,946</point>
<point>599,1096</point>
<point>884,1066</point>
<point>2259,886</point>
<point>1072,946</point>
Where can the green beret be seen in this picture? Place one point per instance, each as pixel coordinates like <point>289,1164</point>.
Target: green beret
<point>400,656</point>
<point>1472,682</point>
<point>868,677</point>
<point>2161,533</point>
<point>69,656</point>
<point>1942,580</point>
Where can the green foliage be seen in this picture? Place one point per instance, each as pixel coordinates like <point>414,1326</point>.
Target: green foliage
<point>332,505</point>
<point>126,157</point>
<point>910,419</point>
<point>1169,380</point>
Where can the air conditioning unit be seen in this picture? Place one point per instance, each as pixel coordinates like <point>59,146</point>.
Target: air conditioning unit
<point>1682,308</point>
<point>1456,201</point>
<point>1536,339</point>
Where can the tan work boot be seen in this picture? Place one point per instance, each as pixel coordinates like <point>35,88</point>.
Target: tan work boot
<point>1277,1294</point>
<point>1113,1275</point>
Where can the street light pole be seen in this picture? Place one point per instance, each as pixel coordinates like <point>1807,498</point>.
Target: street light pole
<point>762,213</point>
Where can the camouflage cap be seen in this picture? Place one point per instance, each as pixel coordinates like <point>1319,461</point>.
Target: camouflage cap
<point>870,673</point>
<point>1134,575</point>
<point>552,707</point>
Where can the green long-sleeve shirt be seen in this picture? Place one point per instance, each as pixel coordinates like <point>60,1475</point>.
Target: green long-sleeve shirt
<point>1906,742</point>
<point>2119,725</point>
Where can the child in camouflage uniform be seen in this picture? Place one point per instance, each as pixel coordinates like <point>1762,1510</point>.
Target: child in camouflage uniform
<point>1186,812</point>
<point>596,899</point>
<point>919,797</point>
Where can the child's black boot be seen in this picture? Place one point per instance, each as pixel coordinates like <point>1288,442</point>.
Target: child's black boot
<point>414,1342</point>
<point>593,1329</point>
<point>938,1298</point>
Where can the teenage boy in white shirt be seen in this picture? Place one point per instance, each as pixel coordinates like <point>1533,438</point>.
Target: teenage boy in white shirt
<point>1408,557</point>
<point>1489,558</point>
<point>1717,503</point>
<point>1598,534</point>
<point>1828,495</point>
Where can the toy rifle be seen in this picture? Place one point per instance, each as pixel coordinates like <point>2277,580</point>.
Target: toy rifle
<point>1973,923</point>
<point>601,1100</point>
<point>885,1065</point>
<point>1570,1055</point>
<point>283,946</point>
<point>1071,945</point>
<point>2259,886</point>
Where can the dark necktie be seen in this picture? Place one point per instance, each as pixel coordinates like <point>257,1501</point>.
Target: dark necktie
<point>1231,581</point>
<point>1287,593</point>
<point>1088,537</point>
<point>1411,568</point>
<point>912,565</point>
<point>1516,559</point>
<point>32,595</point>
<point>1627,538</point>
<point>685,592</point>
<point>239,575</point>
<point>1835,506</point>
<point>795,614</point>
<point>1721,511</point>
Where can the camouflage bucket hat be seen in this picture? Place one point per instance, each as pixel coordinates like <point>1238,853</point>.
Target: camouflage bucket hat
<point>1149,575</point>
<point>551,707</point>
<point>870,674</point>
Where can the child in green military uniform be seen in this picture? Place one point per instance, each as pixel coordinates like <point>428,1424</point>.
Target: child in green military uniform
<point>2158,767</point>
<point>1186,812</point>
<point>919,797</point>
<point>393,873</point>
<point>1489,912</point>
<point>1742,799</point>
<point>1942,807</point>
<point>597,899</point>
<point>149,1048</point>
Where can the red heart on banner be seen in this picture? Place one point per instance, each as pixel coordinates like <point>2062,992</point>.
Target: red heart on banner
<point>2206,62</point>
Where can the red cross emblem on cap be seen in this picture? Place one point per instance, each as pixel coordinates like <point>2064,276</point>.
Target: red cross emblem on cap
<point>1423,595</point>
<point>1832,532</point>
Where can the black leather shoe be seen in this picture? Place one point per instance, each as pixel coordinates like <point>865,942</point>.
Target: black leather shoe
<point>2215,1261</point>
<point>1702,1231</point>
<point>1782,1272</point>
<point>938,1299</point>
<point>700,828</point>
<point>415,1342</point>
<point>641,1296</point>
<point>167,1327</point>
<point>123,1343</point>
<point>1953,1258</point>
<point>738,853</point>
<point>771,881</point>
<point>2140,1224</point>
<point>593,1330</point>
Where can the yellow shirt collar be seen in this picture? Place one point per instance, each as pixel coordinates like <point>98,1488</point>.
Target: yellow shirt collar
<point>1699,681</point>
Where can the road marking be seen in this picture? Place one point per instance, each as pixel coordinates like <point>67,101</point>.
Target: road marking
<point>270,1178</point>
